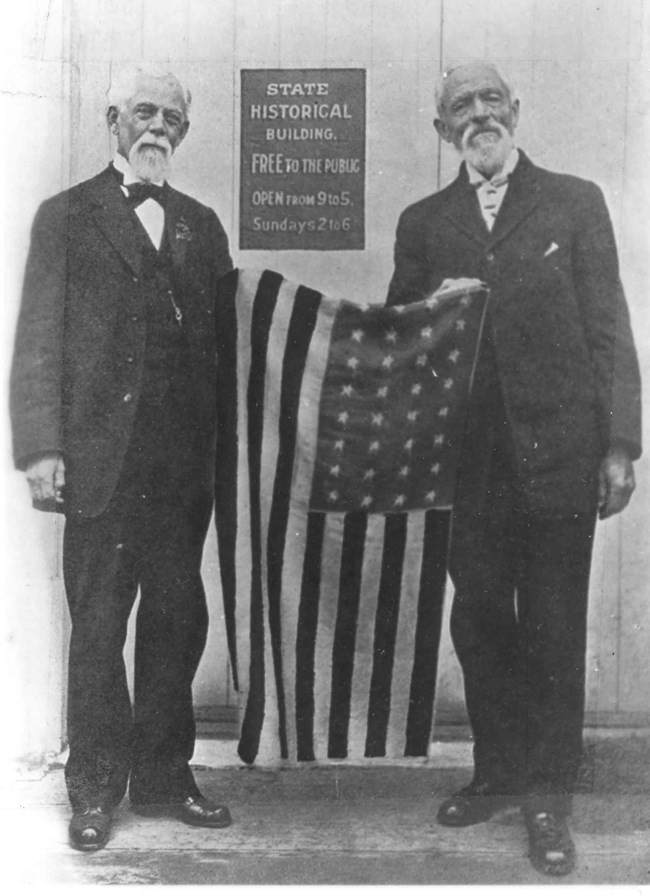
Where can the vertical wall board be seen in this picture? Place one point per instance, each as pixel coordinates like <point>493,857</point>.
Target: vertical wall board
<point>257,34</point>
<point>303,33</point>
<point>348,27</point>
<point>165,29</point>
<point>211,30</point>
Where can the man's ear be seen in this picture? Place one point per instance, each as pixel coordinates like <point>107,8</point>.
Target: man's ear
<point>515,113</point>
<point>111,118</point>
<point>184,130</point>
<point>442,129</point>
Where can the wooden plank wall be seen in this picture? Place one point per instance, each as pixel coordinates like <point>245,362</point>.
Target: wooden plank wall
<point>579,67</point>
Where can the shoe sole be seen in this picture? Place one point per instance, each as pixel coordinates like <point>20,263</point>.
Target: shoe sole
<point>157,811</point>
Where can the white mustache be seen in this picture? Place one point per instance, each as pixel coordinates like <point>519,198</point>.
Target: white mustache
<point>149,142</point>
<point>476,132</point>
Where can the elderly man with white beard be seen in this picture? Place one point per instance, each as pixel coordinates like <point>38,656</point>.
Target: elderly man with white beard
<point>113,391</point>
<point>553,428</point>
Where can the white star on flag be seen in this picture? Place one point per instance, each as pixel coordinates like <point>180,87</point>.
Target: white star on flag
<point>333,496</point>
<point>377,419</point>
<point>426,332</point>
<point>357,335</point>
<point>431,303</point>
<point>454,356</point>
<point>416,389</point>
<point>335,470</point>
<point>460,324</point>
<point>430,496</point>
<point>403,473</point>
<point>435,469</point>
<point>387,361</point>
<point>343,417</point>
<point>353,363</point>
<point>366,501</point>
<point>391,336</point>
<point>382,392</point>
<point>412,416</point>
<point>443,412</point>
<point>369,475</point>
<point>346,390</point>
<point>439,440</point>
<point>399,500</point>
<point>448,383</point>
<point>408,445</point>
<point>374,448</point>
<point>398,308</point>
<point>339,445</point>
<point>421,361</point>
<point>465,301</point>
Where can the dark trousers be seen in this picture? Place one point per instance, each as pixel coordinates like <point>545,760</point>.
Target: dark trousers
<point>150,538</point>
<point>518,625</point>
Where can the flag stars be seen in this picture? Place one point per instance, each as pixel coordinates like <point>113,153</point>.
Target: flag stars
<point>382,392</point>
<point>332,496</point>
<point>416,389</point>
<point>412,416</point>
<point>369,475</point>
<point>454,356</point>
<point>391,336</point>
<point>387,361</point>
<point>347,390</point>
<point>448,383</point>
<point>439,440</point>
<point>421,361</point>
<point>377,419</point>
<point>465,301</point>
<point>404,471</point>
<point>435,469</point>
<point>443,412</point>
<point>366,501</point>
<point>430,496</point>
<point>343,417</point>
<point>357,335</point>
<point>426,332</point>
<point>431,303</point>
<point>335,470</point>
<point>373,448</point>
<point>353,362</point>
<point>399,501</point>
<point>408,445</point>
<point>339,445</point>
<point>460,325</point>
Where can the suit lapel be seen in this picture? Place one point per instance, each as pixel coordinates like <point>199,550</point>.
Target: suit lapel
<point>522,197</point>
<point>178,230</point>
<point>115,220</point>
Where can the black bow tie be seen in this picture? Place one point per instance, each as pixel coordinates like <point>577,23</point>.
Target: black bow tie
<point>139,192</point>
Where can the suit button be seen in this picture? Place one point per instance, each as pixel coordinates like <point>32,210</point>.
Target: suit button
<point>135,317</point>
<point>129,359</point>
<point>490,256</point>
<point>127,398</point>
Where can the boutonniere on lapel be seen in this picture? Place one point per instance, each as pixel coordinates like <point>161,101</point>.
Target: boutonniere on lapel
<point>183,232</point>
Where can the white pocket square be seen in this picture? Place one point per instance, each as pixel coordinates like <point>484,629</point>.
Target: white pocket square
<point>551,249</point>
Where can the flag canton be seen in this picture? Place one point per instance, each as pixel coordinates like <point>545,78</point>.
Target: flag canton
<point>393,404</point>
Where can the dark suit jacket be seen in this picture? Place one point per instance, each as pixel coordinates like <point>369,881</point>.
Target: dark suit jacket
<point>558,320</point>
<point>80,341</point>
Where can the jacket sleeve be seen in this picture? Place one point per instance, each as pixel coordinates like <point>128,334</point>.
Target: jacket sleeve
<point>35,380</point>
<point>411,280</point>
<point>608,331</point>
<point>219,241</point>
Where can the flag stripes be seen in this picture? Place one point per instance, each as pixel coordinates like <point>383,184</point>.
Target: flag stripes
<point>333,619</point>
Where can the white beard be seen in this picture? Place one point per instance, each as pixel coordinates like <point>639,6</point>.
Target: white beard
<point>487,152</point>
<point>150,158</point>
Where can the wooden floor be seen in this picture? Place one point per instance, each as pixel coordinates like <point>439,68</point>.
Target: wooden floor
<point>336,825</point>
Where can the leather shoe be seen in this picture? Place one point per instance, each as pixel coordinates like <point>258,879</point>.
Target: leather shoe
<point>195,810</point>
<point>551,847</point>
<point>471,805</point>
<point>90,828</point>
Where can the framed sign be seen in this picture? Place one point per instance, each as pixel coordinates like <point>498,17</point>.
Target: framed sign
<point>303,159</point>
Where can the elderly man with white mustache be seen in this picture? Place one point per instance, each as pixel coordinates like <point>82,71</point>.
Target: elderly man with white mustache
<point>553,428</point>
<point>113,392</point>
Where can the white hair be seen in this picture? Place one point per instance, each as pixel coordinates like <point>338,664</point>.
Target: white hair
<point>124,83</point>
<point>440,88</point>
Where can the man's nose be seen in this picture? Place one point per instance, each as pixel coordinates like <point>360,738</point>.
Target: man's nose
<point>157,123</point>
<point>480,109</point>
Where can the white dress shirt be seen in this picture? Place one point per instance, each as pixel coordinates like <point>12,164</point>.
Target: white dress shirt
<point>491,192</point>
<point>150,212</point>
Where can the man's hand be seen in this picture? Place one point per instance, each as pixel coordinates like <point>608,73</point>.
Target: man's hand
<point>46,477</point>
<point>616,482</point>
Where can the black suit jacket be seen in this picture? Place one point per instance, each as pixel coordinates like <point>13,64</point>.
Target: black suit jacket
<point>558,320</point>
<point>80,341</point>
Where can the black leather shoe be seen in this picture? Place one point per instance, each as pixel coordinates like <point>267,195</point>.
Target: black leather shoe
<point>196,810</point>
<point>90,828</point>
<point>471,805</point>
<point>551,847</point>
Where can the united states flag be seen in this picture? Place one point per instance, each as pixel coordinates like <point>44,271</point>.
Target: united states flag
<point>339,432</point>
